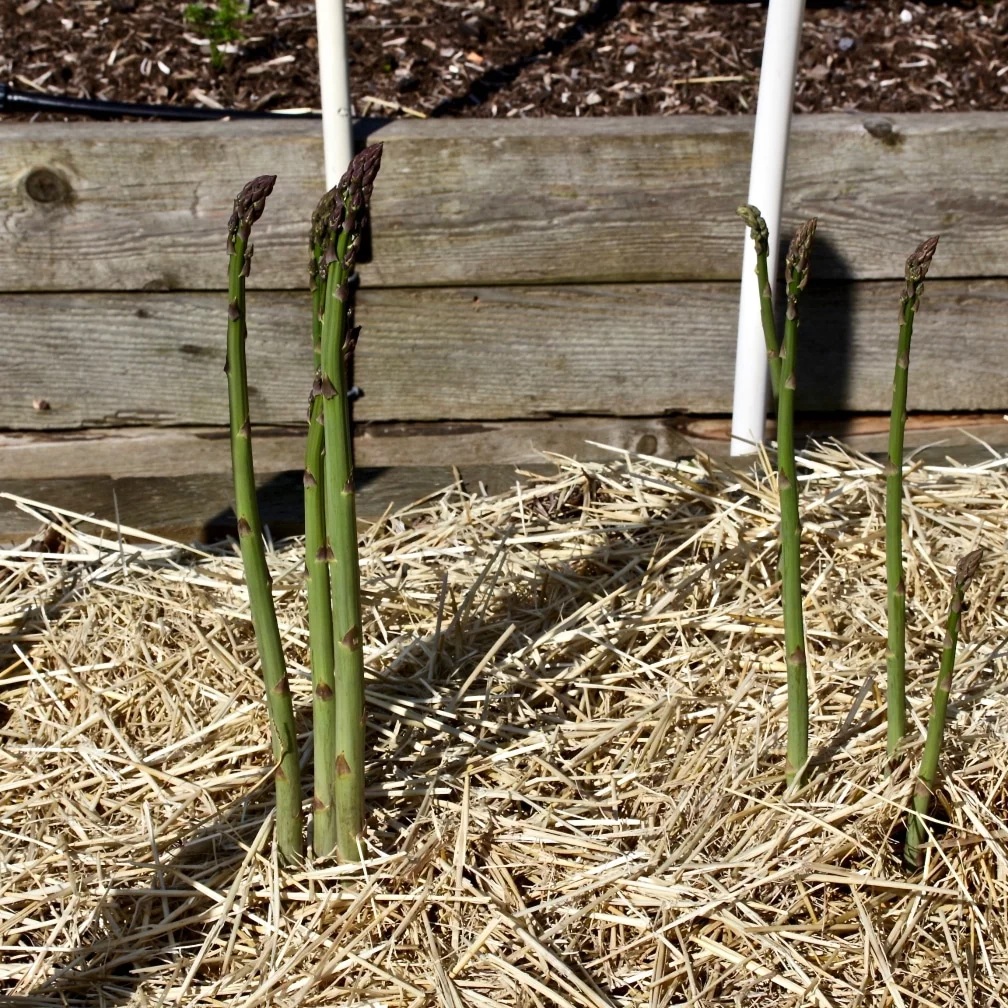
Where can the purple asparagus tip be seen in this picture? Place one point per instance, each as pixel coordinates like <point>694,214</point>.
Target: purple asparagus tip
<point>920,259</point>
<point>967,566</point>
<point>248,207</point>
<point>796,266</point>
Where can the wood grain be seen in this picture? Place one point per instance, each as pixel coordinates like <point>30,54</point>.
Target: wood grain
<point>165,452</point>
<point>490,353</point>
<point>144,205</point>
<point>190,496</point>
<point>197,508</point>
<point>170,452</point>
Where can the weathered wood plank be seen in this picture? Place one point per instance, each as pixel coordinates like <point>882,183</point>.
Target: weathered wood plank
<point>170,452</point>
<point>198,508</point>
<point>164,452</point>
<point>963,437</point>
<point>144,206</point>
<point>190,497</point>
<point>489,353</point>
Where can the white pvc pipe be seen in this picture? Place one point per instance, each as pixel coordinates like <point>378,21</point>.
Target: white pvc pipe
<point>334,85</point>
<point>766,187</point>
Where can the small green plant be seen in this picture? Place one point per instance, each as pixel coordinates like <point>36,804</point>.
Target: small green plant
<point>330,522</point>
<point>248,208</point>
<point>222,24</point>
<point>917,829</point>
<point>317,559</point>
<point>916,269</point>
<point>795,277</point>
<point>337,233</point>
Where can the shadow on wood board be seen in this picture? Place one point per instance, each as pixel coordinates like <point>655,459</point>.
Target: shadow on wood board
<point>826,330</point>
<point>198,507</point>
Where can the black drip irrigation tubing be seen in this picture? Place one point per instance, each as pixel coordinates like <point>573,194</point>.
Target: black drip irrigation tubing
<point>28,102</point>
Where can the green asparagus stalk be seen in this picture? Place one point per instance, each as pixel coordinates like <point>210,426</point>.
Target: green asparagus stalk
<point>796,276</point>
<point>761,239</point>
<point>345,225</point>
<point>917,829</point>
<point>248,208</point>
<point>317,557</point>
<point>916,269</point>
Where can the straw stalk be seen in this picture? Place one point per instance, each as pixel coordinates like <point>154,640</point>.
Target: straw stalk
<point>248,208</point>
<point>796,276</point>
<point>916,269</point>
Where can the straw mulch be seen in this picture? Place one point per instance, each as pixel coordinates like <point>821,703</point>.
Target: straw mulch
<point>577,707</point>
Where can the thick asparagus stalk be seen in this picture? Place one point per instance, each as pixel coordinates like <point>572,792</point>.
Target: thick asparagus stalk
<point>346,223</point>
<point>317,565</point>
<point>796,276</point>
<point>916,269</point>
<point>761,239</point>
<point>248,208</point>
<point>917,829</point>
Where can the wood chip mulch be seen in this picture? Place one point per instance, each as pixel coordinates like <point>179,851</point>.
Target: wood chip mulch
<point>510,58</point>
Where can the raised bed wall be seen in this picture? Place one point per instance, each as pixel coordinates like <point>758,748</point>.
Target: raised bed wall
<point>530,284</point>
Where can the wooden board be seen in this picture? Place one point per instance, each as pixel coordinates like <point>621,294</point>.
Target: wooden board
<point>169,453</point>
<point>186,491</point>
<point>185,451</point>
<point>198,508</point>
<point>489,353</point>
<point>143,205</point>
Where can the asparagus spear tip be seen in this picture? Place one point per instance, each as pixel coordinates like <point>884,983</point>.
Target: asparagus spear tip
<point>761,240</point>
<point>916,269</point>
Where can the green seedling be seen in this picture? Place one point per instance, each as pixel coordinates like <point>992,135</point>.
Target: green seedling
<point>916,269</point>
<point>341,232</point>
<point>248,208</point>
<point>333,569</point>
<point>917,828</point>
<point>317,559</point>
<point>222,24</point>
<point>795,277</point>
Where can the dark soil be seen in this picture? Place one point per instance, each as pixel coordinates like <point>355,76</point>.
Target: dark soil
<point>509,58</point>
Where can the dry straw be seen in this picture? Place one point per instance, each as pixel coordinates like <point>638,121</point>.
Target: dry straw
<point>577,703</point>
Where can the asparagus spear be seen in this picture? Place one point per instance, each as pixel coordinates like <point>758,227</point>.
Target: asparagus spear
<point>917,829</point>
<point>345,225</point>
<point>796,276</point>
<point>761,239</point>
<point>317,565</point>
<point>916,269</point>
<point>248,208</point>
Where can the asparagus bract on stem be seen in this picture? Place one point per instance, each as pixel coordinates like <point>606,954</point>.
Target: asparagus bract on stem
<point>320,625</point>
<point>248,208</point>
<point>917,829</point>
<point>761,239</point>
<point>916,269</point>
<point>342,242</point>
<point>796,276</point>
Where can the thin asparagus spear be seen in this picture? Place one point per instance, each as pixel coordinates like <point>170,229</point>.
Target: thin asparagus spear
<point>917,829</point>
<point>916,269</point>
<point>796,276</point>
<point>248,208</point>
<point>346,223</point>
<point>761,239</point>
<point>317,557</point>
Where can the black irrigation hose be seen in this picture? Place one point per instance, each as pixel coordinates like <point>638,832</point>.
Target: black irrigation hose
<point>31,102</point>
